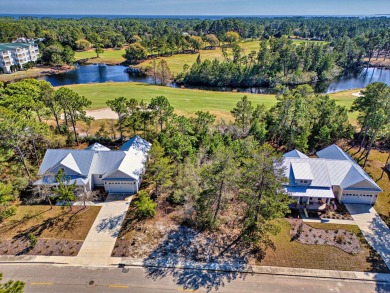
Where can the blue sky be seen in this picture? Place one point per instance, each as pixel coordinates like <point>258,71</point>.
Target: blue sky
<point>197,7</point>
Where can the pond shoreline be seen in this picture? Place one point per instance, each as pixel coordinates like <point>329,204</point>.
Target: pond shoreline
<point>101,73</point>
<point>35,72</point>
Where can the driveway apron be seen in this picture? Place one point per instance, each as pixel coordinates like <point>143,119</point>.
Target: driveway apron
<point>373,228</point>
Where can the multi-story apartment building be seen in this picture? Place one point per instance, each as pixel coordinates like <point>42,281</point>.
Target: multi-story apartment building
<point>17,54</point>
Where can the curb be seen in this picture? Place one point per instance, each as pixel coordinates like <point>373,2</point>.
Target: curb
<point>279,271</point>
<point>215,267</point>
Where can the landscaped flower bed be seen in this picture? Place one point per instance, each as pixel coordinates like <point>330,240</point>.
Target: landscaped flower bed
<point>341,213</point>
<point>303,233</point>
<point>23,246</point>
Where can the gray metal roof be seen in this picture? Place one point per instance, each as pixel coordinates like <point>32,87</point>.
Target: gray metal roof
<point>302,170</point>
<point>333,152</point>
<point>316,167</point>
<point>295,154</point>
<point>334,167</point>
<point>97,147</point>
<point>127,164</point>
<point>82,158</point>
<point>136,143</point>
<point>106,161</point>
<point>13,46</point>
<point>308,191</point>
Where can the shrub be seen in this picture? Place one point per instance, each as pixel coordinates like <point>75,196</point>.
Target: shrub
<point>33,239</point>
<point>177,197</point>
<point>7,211</point>
<point>340,239</point>
<point>146,207</point>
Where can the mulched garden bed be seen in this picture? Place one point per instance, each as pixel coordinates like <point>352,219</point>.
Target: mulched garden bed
<point>48,247</point>
<point>345,240</point>
<point>341,213</point>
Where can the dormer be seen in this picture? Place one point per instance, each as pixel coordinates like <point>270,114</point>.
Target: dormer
<point>302,173</point>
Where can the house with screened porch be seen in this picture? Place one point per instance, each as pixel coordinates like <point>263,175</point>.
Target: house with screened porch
<point>315,183</point>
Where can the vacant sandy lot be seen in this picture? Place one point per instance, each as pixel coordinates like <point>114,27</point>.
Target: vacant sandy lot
<point>105,113</point>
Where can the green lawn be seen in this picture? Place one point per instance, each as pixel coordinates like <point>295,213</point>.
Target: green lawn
<point>110,56</point>
<point>185,101</point>
<point>345,98</point>
<point>43,222</point>
<point>289,253</point>
<point>175,62</point>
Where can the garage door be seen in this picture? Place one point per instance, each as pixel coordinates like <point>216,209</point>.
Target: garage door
<point>121,187</point>
<point>358,198</point>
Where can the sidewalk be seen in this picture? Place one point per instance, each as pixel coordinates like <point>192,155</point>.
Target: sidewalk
<point>100,241</point>
<point>373,228</point>
<point>329,221</point>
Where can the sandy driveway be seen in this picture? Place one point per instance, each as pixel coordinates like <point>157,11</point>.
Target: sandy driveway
<point>105,113</point>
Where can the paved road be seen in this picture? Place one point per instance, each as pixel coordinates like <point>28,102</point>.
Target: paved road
<point>45,278</point>
<point>373,228</point>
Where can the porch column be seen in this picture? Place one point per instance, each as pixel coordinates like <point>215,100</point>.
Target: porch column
<point>308,200</point>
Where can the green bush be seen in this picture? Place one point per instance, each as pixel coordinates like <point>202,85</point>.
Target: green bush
<point>146,207</point>
<point>7,212</point>
<point>33,239</point>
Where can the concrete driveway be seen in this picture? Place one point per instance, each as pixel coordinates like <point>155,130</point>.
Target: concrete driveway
<point>373,228</point>
<point>100,241</point>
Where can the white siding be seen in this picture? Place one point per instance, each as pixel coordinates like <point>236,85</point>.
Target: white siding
<point>96,180</point>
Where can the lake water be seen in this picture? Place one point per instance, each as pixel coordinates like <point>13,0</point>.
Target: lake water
<point>99,73</point>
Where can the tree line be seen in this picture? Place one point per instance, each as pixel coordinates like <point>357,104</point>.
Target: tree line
<point>169,36</point>
<point>278,61</point>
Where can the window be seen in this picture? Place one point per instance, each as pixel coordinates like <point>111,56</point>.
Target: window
<point>100,176</point>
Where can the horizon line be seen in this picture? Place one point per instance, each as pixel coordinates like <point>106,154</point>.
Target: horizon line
<point>81,14</point>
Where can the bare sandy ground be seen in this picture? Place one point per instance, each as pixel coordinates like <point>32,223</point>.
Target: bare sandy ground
<point>105,113</point>
<point>358,94</point>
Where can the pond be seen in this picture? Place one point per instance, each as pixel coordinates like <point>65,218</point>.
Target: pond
<point>98,73</point>
<point>95,73</point>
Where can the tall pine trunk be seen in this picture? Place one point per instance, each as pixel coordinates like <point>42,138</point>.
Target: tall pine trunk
<point>120,126</point>
<point>218,202</point>
<point>22,160</point>
<point>384,167</point>
<point>369,147</point>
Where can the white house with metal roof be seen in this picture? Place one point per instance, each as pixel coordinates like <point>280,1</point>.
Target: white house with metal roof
<point>17,54</point>
<point>117,171</point>
<point>315,182</point>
